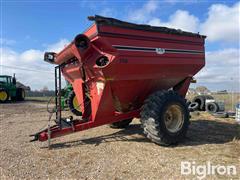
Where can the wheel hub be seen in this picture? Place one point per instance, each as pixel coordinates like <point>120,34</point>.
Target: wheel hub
<point>3,96</point>
<point>173,118</point>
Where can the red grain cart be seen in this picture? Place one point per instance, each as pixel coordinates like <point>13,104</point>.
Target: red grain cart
<point>121,70</point>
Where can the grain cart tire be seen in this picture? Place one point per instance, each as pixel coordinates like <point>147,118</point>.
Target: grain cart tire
<point>193,106</point>
<point>4,96</point>
<point>20,94</point>
<point>165,117</point>
<point>212,107</point>
<point>201,101</point>
<point>121,124</point>
<point>73,104</point>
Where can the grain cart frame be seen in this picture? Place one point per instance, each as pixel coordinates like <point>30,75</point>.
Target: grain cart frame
<point>121,70</point>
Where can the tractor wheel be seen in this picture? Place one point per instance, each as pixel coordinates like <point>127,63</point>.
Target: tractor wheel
<point>3,96</point>
<point>73,104</point>
<point>165,117</point>
<point>121,124</point>
<point>20,94</point>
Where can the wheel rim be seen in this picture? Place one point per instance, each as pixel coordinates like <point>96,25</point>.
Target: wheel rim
<point>211,107</point>
<point>174,118</point>
<point>75,104</point>
<point>3,96</point>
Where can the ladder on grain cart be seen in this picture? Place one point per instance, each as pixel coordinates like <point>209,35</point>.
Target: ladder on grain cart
<point>58,88</point>
<point>61,122</point>
<point>57,110</point>
<point>58,105</point>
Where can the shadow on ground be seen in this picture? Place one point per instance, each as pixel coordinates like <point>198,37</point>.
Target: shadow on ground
<point>126,134</point>
<point>211,132</point>
<point>200,132</point>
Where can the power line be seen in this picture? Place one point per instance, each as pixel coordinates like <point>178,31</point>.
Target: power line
<point>26,69</point>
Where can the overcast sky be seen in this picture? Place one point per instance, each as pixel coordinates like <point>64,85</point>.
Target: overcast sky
<point>29,28</point>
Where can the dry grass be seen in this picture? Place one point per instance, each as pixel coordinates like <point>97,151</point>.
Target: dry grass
<point>105,153</point>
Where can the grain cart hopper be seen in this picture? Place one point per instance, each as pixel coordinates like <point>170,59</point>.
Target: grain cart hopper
<point>121,70</point>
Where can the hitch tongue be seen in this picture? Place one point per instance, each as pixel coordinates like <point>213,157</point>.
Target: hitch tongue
<point>36,137</point>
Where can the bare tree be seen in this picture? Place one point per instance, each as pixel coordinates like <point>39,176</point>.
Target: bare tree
<point>202,90</point>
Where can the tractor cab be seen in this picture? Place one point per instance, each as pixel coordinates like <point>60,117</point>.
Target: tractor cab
<point>4,79</point>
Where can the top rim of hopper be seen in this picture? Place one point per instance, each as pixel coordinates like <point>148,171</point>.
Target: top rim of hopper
<point>107,21</point>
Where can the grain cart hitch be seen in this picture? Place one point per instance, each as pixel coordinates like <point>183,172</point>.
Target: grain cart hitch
<point>120,70</point>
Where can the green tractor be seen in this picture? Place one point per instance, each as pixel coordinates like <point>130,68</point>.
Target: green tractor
<point>10,89</point>
<point>69,100</point>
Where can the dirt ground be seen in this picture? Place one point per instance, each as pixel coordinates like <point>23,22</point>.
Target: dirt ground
<point>105,153</point>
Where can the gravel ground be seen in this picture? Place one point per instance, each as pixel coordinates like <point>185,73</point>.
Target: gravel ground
<point>105,153</point>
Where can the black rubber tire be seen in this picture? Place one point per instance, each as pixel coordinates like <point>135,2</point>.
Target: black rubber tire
<point>71,96</point>
<point>201,101</point>
<point>121,124</point>
<point>231,114</point>
<point>220,115</point>
<point>208,97</point>
<point>4,101</point>
<point>20,94</point>
<point>193,106</point>
<point>152,117</point>
<point>212,107</point>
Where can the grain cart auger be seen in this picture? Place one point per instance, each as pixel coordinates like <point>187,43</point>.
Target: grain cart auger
<point>120,70</point>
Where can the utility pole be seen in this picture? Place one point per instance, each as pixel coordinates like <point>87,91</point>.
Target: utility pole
<point>232,85</point>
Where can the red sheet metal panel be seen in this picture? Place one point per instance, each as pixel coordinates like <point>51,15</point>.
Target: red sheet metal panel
<point>141,61</point>
<point>119,64</point>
